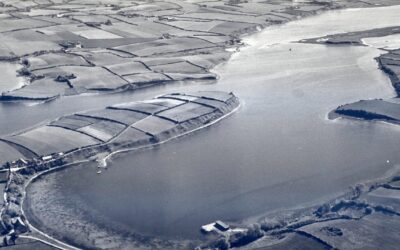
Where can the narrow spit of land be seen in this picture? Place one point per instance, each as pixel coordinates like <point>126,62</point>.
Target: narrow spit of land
<point>99,134</point>
<point>389,62</point>
<point>368,215</point>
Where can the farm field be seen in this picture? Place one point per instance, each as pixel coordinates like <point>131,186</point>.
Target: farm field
<point>128,123</point>
<point>110,46</point>
<point>358,234</point>
<point>8,153</point>
<point>95,136</point>
<point>186,112</point>
<point>388,110</point>
<point>121,116</point>
<point>48,140</point>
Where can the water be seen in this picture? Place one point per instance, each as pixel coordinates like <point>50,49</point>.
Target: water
<point>278,151</point>
<point>386,42</point>
<point>9,80</point>
<point>35,113</point>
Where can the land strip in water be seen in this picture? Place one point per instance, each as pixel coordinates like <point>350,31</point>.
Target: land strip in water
<point>367,216</point>
<point>389,62</point>
<point>95,135</point>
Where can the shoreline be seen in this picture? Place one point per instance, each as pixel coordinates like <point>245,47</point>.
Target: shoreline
<point>316,202</point>
<point>47,238</point>
<point>272,17</point>
<point>388,62</point>
<point>232,105</point>
<point>110,155</point>
<point>386,110</point>
<point>309,223</point>
<point>68,242</point>
<point>60,168</point>
<point>352,206</point>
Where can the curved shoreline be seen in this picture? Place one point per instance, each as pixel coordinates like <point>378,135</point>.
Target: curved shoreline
<point>47,238</point>
<point>62,245</point>
<point>121,151</point>
<point>245,21</point>
<point>388,62</point>
<point>104,160</point>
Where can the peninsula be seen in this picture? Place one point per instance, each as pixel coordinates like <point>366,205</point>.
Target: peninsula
<point>389,62</point>
<point>97,135</point>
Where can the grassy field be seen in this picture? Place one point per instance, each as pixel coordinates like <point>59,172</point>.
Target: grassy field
<point>154,125</point>
<point>46,140</point>
<point>9,80</point>
<point>8,153</point>
<point>147,108</point>
<point>126,117</point>
<point>131,44</point>
<point>185,112</point>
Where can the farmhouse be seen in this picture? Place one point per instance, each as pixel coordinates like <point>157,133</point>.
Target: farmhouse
<point>221,226</point>
<point>217,226</point>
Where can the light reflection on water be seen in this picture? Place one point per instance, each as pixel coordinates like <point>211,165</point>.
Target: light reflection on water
<point>277,151</point>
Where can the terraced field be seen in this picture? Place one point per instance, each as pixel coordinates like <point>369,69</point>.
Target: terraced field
<point>92,135</point>
<point>148,122</point>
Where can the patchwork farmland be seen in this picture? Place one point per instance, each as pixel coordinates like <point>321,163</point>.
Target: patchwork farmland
<point>59,48</point>
<point>97,135</point>
<point>118,126</point>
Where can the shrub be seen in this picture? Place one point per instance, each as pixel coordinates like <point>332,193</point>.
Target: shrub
<point>14,189</point>
<point>253,233</point>
<point>27,171</point>
<point>7,221</point>
<point>24,72</point>
<point>221,244</point>
<point>18,179</point>
<point>12,211</point>
<point>25,62</point>
<point>271,224</point>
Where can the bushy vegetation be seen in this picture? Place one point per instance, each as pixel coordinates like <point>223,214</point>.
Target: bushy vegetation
<point>24,71</point>
<point>271,224</point>
<point>253,233</point>
<point>221,244</point>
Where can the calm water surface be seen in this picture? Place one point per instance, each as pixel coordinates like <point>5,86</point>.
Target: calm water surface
<point>9,79</point>
<point>277,151</point>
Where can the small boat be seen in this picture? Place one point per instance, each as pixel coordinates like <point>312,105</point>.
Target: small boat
<point>99,172</point>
